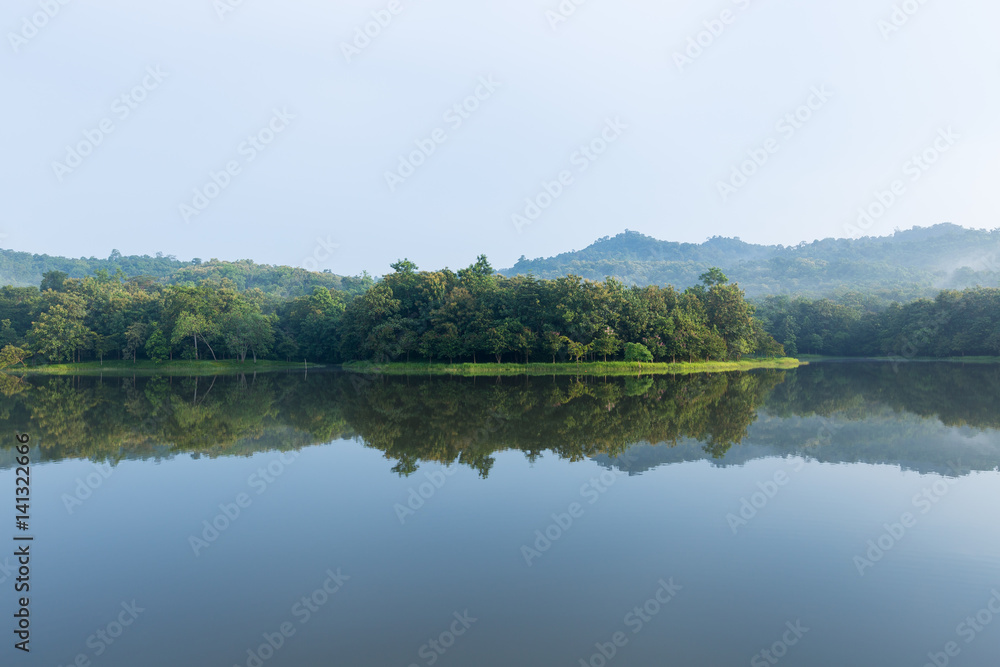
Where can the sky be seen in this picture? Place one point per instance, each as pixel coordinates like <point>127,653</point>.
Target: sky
<point>345,135</point>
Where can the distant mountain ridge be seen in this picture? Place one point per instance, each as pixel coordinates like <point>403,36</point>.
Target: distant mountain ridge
<point>908,264</point>
<point>23,269</point>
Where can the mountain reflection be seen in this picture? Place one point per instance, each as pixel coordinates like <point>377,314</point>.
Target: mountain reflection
<point>930,417</point>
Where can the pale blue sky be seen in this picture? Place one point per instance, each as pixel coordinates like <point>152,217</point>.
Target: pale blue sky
<point>681,130</point>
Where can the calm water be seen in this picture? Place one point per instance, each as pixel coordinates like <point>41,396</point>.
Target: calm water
<point>840,514</point>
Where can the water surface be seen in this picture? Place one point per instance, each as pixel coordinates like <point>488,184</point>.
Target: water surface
<point>695,520</point>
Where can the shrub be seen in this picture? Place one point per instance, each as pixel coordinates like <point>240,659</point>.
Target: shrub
<point>637,352</point>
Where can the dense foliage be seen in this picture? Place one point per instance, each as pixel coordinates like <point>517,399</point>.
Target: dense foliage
<point>475,314</point>
<point>236,310</point>
<point>953,324</point>
<point>907,265</point>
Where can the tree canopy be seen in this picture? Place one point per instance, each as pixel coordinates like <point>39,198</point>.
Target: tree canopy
<point>477,315</point>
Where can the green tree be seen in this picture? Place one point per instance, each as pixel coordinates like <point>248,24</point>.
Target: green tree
<point>157,346</point>
<point>59,334</point>
<point>102,344</point>
<point>730,315</point>
<point>524,340</point>
<point>553,344</point>
<point>54,280</point>
<point>195,327</point>
<point>577,350</point>
<point>448,341</point>
<point>247,330</point>
<point>714,276</point>
<point>500,340</point>
<point>765,344</point>
<point>11,355</point>
<point>8,335</point>
<point>636,352</point>
<point>404,266</point>
<point>605,344</point>
<point>135,337</point>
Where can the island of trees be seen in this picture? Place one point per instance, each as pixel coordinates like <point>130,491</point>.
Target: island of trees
<point>473,315</point>
<point>245,312</point>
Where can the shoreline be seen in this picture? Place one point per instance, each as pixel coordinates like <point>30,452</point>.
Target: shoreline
<point>819,358</point>
<point>184,368</point>
<point>597,368</point>
<point>622,368</point>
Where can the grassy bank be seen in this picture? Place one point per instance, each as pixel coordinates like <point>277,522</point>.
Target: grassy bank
<point>185,367</point>
<point>962,360</point>
<point>570,368</point>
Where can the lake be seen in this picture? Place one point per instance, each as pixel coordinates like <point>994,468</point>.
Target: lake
<point>839,514</point>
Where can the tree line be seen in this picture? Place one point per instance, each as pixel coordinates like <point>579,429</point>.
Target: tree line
<point>474,315</point>
<point>477,314</point>
<point>952,324</point>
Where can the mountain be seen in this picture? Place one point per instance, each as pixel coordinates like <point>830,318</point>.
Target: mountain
<point>22,269</point>
<point>909,264</point>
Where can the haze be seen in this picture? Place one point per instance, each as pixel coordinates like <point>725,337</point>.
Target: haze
<point>318,194</point>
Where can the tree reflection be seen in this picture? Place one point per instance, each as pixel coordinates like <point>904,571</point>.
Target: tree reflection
<point>412,420</point>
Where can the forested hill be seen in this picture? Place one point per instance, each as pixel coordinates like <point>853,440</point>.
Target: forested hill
<point>22,269</point>
<point>901,267</point>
